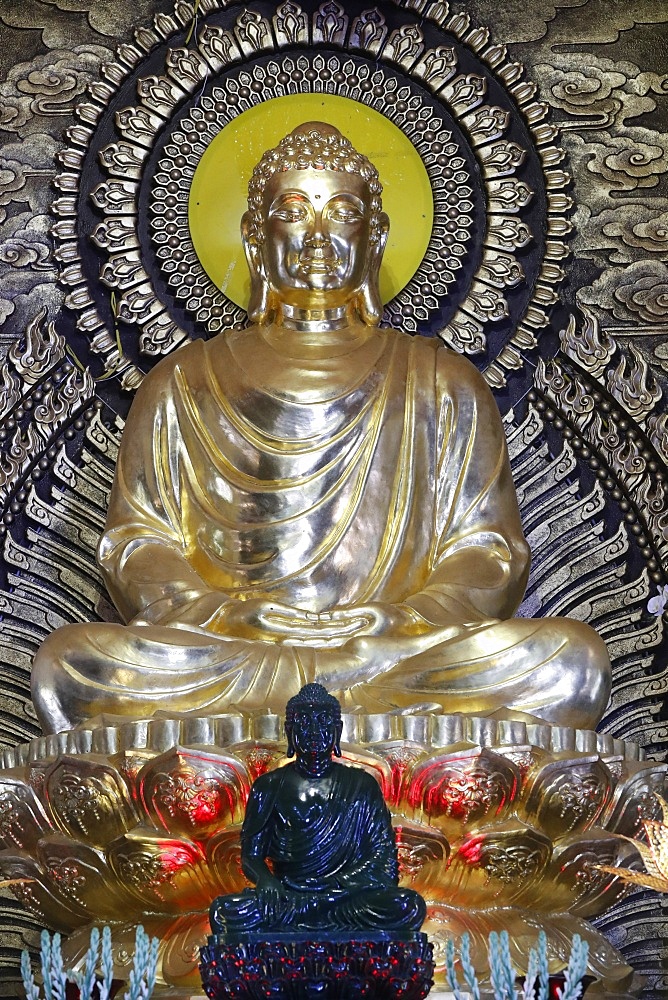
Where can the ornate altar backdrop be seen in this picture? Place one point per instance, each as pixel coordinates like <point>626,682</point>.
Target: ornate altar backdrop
<point>545,264</point>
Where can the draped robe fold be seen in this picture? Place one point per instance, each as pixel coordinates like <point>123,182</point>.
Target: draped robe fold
<point>380,475</point>
<point>349,840</point>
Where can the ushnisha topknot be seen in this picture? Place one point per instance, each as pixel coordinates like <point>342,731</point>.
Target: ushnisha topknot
<point>321,147</point>
<point>312,695</point>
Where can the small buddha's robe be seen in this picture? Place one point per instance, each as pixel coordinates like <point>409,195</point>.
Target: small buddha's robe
<point>338,865</point>
<point>378,474</point>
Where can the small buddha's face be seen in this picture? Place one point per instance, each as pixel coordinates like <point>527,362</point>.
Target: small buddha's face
<point>317,231</point>
<point>315,730</point>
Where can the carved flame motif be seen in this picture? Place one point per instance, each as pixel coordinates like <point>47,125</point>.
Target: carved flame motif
<point>290,21</point>
<point>590,346</point>
<point>632,384</point>
<point>38,350</point>
<point>331,22</point>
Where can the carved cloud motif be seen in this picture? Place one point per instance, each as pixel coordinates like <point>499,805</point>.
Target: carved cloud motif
<point>628,231</point>
<point>639,291</point>
<point>48,85</point>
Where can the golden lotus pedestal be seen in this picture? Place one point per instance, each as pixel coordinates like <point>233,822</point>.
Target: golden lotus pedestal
<point>500,825</point>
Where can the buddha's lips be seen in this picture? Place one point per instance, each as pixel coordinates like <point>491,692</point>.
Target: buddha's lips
<point>317,263</point>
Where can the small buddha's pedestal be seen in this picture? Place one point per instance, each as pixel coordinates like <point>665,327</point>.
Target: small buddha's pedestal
<point>301,966</point>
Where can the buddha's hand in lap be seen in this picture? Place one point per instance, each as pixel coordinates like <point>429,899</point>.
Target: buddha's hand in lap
<point>267,620</point>
<point>376,655</point>
<point>340,625</point>
<point>273,621</point>
<point>328,889</point>
<point>253,619</point>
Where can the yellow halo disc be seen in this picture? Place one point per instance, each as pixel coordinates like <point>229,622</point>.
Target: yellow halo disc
<point>218,195</point>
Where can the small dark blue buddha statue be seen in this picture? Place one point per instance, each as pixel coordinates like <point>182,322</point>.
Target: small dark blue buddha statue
<point>317,841</point>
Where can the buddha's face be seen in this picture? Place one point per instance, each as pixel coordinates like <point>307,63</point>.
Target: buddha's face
<point>317,225</point>
<point>315,730</point>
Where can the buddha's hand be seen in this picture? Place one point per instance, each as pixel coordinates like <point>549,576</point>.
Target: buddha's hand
<point>256,618</point>
<point>270,893</point>
<point>272,621</point>
<point>269,620</point>
<point>376,618</point>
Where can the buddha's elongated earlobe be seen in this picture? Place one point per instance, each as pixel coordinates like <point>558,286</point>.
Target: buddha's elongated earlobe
<point>337,742</point>
<point>290,752</point>
<point>369,303</point>
<point>261,305</point>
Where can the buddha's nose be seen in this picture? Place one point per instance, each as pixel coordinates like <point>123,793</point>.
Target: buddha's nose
<point>318,241</point>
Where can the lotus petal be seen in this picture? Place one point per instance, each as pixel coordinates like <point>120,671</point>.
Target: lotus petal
<point>223,854</point>
<point>567,794</point>
<point>605,962</point>
<point>456,790</point>
<point>576,884</point>
<point>525,757</point>
<point>165,874</point>
<point>497,867</point>
<point>81,873</point>
<point>401,756</point>
<point>635,797</point>
<point>23,818</point>
<point>194,792</point>
<point>180,966</point>
<point>258,757</point>
<point>33,887</point>
<point>89,799</point>
<point>423,857</point>
<point>129,763</point>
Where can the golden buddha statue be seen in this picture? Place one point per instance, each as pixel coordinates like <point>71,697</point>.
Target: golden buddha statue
<point>315,498</point>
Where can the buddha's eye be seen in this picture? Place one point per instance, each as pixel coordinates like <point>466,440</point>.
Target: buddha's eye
<point>290,212</point>
<point>344,213</point>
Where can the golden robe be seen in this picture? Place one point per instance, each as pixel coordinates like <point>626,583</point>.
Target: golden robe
<point>377,474</point>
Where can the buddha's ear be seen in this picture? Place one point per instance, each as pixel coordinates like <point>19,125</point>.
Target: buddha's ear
<point>369,302</point>
<point>290,752</point>
<point>337,741</point>
<point>260,306</point>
